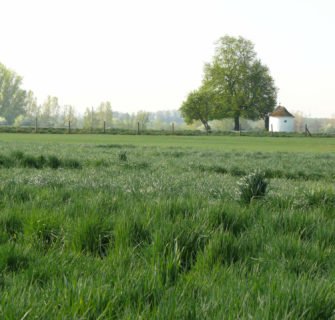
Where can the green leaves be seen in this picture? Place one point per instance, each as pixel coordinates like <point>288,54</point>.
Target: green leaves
<point>239,78</point>
<point>200,105</point>
<point>12,97</point>
<point>235,84</point>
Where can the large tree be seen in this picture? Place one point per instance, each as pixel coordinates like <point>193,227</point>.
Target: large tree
<point>200,105</point>
<point>241,82</point>
<point>12,97</point>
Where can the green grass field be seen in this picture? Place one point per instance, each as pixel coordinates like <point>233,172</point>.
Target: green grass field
<point>153,227</point>
<point>222,143</point>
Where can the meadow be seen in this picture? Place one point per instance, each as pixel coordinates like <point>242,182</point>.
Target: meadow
<point>154,227</point>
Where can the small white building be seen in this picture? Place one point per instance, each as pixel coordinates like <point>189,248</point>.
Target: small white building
<point>280,120</point>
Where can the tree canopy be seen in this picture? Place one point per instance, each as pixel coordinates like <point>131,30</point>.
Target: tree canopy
<point>241,84</point>
<point>200,105</point>
<point>12,97</point>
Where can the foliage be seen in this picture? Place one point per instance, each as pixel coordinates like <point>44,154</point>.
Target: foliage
<point>104,114</point>
<point>252,187</point>
<point>123,155</point>
<point>200,105</point>
<point>69,115</point>
<point>142,117</point>
<point>97,118</point>
<point>50,112</point>
<point>243,85</point>
<point>12,97</point>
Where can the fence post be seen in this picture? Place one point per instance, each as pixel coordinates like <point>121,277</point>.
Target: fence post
<point>271,129</point>
<point>36,125</point>
<point>69,127</point>
<point>104,126</point>
<point>138,127</point>
<point>172,127</point>
<point>307,131</point>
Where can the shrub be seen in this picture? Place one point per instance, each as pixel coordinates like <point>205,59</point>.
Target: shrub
<point>252,186</point>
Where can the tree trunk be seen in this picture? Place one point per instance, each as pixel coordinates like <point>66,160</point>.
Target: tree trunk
<point>236,123</point>
<point>206,125</point>
<point>266,122</point>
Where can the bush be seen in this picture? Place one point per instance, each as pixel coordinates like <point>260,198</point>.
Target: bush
<point>252,186</point>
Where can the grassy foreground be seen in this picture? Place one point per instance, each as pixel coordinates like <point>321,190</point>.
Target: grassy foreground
<point>117,227</point>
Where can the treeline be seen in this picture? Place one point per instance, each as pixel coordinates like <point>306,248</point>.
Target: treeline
<point>20,108</point>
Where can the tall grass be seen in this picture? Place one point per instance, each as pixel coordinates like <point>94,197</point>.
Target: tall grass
<point>161,235</point>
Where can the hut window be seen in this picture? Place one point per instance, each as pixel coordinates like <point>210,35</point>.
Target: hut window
<point>285,121</point>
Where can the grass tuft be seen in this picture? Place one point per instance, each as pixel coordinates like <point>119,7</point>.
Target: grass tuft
<point>252,187</point>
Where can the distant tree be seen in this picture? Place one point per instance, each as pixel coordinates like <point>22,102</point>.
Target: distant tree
<point>143,118</point>
<point>299,121</point>
<point>50,112</point>
<point>200,105</point>
<point>31,107</point>
<point>242,83</point>
<point>90,119</point>
<point>12,97</point>
<point>69,115</point>
<point>129,121</point>
<point>104,114</point>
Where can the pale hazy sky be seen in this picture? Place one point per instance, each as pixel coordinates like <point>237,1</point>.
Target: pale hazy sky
<point>148,54</point>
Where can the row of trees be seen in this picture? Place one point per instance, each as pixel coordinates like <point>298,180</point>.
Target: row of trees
<point>235,84</point>
<point>21,108</point>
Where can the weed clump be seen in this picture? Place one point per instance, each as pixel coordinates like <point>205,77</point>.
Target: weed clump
<point>12,226</point>
<point>72,164</point>
<point>123,156</point>
<point>54,162</point>
<point>253,186</point>
<point>325,198</point>
<point>17,159</point>
<point>13,259</point>
<point>47,233</point>
<point>94,237</point>
<point>138,234</point>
